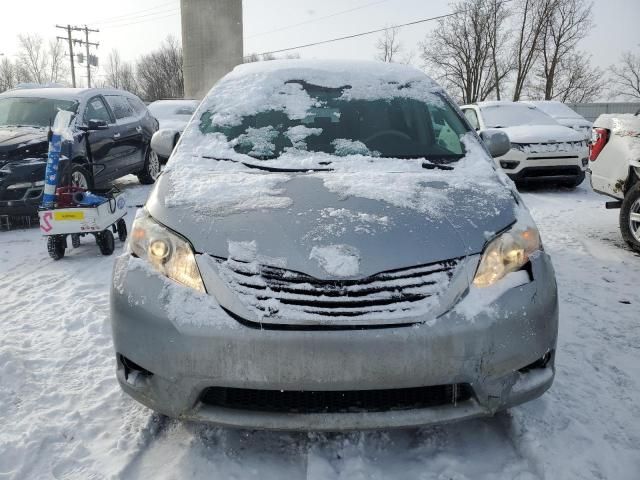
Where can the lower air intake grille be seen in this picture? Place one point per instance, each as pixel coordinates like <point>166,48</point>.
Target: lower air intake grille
<point>336,401</point>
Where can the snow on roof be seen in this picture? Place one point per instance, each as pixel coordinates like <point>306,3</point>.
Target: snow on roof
<point>63,93</point>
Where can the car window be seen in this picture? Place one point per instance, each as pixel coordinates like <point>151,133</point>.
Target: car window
<point>471,115</point>
<point>97,110</point>
<point>137,105</point>
<point>121,108</point>
<point>398,127</point>
<point>33,111</point>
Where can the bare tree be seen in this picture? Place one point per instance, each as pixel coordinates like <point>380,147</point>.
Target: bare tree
<point>32,58</point>
<point>626,76</point>
<point>502,66</point>
<point>460,51</point>
<point>568,23</point>
<point>39,63</point>
<point>159,73</point>
<point>388,45</point>
<point>577,80</point>
<point>7,74</point>
<point>533,18</point>
<point>119,74</point>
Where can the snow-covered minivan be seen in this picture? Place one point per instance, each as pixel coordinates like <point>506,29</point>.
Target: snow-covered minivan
<point>331,247</point>
<point>615,169</point>
<point>541,148</point>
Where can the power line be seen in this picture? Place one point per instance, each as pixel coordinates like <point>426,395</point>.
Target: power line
<point>288,27</point>
<point>108,27</point>
<point>134,13</point>
<point>137,18</point>
<point>355,35</point>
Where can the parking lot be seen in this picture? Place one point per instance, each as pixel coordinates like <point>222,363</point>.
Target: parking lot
<point>63,414</point>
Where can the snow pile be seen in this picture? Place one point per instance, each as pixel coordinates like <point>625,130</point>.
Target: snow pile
<point>298,135</point>
<point>337,260</point>
<point>216,193</point>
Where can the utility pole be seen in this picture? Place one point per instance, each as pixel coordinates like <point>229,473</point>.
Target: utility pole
<point>84,42</point>
<point>87,44</point>
<point>70,40</point>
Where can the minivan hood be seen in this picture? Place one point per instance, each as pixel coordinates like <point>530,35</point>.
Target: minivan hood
<point>542,134</point>
<point>304,212</point>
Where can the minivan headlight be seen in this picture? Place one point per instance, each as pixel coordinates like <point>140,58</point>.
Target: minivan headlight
<point>167,252</point>
<point>507,253</point>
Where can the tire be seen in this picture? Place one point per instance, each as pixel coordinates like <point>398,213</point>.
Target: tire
<point>75,240</point>
<point>151,168</point>
<point>56,245</point>
<point>630,217</point>
<point>122,230</point>
<point>80,177</point>
<point>106,242</point>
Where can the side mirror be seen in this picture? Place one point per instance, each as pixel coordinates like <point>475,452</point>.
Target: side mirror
<point>94,125</point>
<point>162,142</point>
<point>496,141</point>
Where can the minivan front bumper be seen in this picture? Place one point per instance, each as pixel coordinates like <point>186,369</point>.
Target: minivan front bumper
<point>172,350</point>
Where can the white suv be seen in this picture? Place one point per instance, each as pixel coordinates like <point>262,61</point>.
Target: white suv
<point>615,169</point>
<point>541,148</point>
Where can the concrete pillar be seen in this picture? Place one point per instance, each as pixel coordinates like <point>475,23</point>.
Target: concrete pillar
<point>212,42</point>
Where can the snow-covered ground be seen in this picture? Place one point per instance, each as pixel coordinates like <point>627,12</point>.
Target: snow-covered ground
<point>62,414</point>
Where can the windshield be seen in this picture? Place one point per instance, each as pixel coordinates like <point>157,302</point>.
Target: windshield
<point>32,111</point>
<point>172,109</point>
<point>557,109</point>
<point>496,116</point>
<point>398,127</point>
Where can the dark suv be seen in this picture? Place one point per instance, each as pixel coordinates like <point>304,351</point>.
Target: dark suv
<point>111,132</point>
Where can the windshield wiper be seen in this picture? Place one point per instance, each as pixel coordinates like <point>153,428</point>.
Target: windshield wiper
<point>270,169</point>
<point>434,166</point>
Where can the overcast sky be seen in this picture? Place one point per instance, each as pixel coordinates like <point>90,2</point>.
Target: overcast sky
<point>137,27</point>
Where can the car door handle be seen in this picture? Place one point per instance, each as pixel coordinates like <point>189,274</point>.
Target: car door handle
<point>116,135</point>
<point>139,129</point>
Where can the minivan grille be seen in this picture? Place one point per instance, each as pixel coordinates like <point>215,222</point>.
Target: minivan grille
<point>272,292</point>
<point>347,401</point>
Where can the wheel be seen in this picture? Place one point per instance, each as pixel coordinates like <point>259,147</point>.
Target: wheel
<point>75,240</point>
<point>105,242</point>
<point>151,168</point>
<point>56,245</point>
<point>630,217</point>
<point>122,229</point>
<point>80,177</point>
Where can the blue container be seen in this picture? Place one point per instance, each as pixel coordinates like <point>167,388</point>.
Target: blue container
<point>51,173</point>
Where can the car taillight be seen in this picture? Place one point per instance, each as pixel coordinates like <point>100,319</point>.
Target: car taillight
<point>600,139</point>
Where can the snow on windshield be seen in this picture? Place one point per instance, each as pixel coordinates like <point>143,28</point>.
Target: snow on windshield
<point>237,182</point>
<point>512,115</point>
<point>173,108</point>
<point>557,109</point>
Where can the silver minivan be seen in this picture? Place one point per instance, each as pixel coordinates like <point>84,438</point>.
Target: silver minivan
<point>331,247</point>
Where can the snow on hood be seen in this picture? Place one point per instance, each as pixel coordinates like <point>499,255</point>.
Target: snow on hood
<point>542,134</point>
<point>393,211</point>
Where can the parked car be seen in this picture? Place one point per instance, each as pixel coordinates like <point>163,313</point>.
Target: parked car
<point>111,133</point>
<point>615,169</point>
<point>541,148</point>
<point>564,115</point>
<point>173,116</point>
<point>331,247</point>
